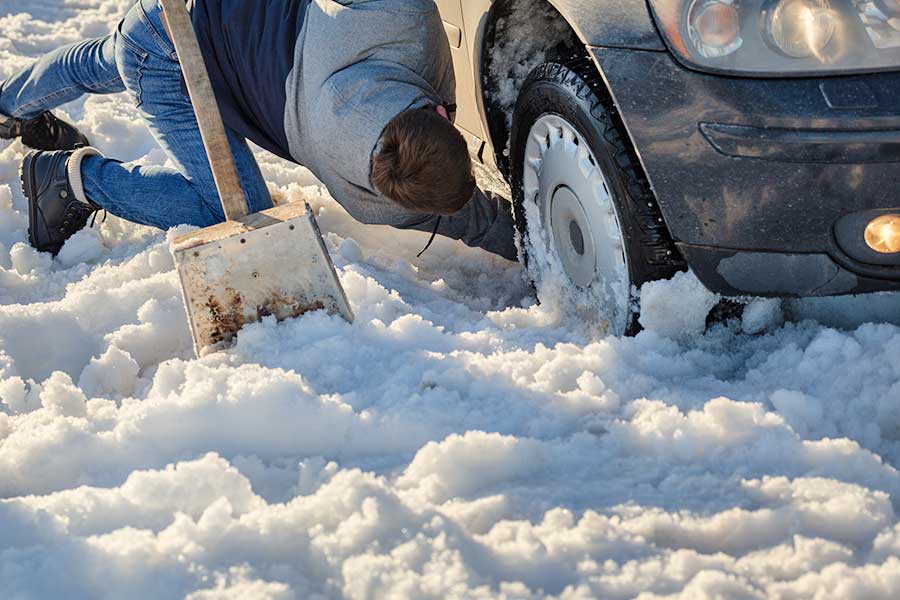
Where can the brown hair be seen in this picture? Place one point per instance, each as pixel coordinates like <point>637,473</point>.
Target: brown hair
<point>424,163</point>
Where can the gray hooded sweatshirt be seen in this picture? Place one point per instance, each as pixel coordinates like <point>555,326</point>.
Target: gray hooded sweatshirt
<point>357,65</point>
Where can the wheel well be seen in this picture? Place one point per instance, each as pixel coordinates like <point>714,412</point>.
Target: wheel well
<point>519,35</point>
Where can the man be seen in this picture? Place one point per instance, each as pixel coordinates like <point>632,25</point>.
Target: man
<point>357,91</point>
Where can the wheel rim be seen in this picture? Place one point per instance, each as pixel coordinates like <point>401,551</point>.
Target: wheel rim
<point>578,219</point>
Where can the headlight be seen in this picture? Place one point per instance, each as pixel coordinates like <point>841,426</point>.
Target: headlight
<point>714,28</point>
<point>802,28</point>
<point>782,37</point>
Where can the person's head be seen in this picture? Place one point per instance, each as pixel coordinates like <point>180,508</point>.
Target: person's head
<point>423,164</point>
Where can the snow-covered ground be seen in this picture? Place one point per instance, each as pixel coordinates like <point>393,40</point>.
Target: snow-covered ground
<point>455,442</point>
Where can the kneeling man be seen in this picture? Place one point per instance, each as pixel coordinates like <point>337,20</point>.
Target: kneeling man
<point>358,91</point>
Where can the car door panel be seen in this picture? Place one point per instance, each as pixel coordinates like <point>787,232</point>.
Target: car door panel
<point>454,14</point>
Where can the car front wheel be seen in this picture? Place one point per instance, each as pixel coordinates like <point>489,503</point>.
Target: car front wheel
<point>589,221</point>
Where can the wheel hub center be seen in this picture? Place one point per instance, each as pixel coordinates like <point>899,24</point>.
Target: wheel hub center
<point>571,234</point>
<point>576,237</point>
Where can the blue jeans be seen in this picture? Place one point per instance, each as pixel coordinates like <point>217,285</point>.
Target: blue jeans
<point>140,58</point>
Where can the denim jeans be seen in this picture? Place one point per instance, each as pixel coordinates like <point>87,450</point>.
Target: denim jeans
<point>140,58</point>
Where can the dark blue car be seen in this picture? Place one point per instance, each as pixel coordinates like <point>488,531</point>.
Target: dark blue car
<point>756,142</point>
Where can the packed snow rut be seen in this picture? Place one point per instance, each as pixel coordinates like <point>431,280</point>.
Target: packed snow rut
<point>457,441</point>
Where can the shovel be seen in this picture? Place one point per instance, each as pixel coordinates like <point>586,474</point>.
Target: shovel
<point>272,263</point>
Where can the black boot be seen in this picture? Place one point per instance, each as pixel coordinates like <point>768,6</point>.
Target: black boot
<point>55,212</point>
<point>43,132</point>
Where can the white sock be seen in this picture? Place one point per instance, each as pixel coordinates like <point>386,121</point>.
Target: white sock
<point>73,170</point>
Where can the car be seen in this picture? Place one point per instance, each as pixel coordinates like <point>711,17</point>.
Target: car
<point>755,142</point>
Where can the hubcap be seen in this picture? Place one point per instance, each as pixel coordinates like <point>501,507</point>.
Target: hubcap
<point>578,220</point>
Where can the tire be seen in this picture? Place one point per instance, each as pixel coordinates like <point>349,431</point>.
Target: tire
<point>588,219</point>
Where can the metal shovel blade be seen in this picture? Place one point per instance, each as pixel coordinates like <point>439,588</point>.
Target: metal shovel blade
<point>272,263</point>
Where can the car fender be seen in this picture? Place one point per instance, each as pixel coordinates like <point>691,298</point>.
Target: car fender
<point>624,24</point>
<point>613,23</point>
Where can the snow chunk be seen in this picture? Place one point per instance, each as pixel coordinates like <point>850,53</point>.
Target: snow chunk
<point>351,251</point>
<point>14,394</point>
<point>191,487</point>
<point>60,396</point>
<point>84,247</point>
<point>762,314</point>
<point>676,308</point>
<point>26,260</point>
<point>112,375</point>
<point>163,332</point>
<point>803,413</point>
<point>461,465</point>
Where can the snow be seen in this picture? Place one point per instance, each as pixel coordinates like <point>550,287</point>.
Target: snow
<point>457,441</point>
<point>516,55</point>
<point>664,309</point>
<point>86,246</point>
<point>761,314</point>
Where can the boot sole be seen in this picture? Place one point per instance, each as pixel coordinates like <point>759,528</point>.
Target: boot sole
<point>29,187</point>
<point>28,191</point>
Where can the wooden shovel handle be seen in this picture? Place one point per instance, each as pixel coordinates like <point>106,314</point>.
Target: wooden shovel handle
<point>212,130</point>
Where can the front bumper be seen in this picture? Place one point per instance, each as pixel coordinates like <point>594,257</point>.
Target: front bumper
<point>753,175</point>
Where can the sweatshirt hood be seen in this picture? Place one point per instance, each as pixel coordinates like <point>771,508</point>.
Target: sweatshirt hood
<point>350,132</point>
<point>357,65</point>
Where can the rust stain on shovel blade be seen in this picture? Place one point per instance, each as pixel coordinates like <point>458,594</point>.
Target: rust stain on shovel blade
<point>272,263</point>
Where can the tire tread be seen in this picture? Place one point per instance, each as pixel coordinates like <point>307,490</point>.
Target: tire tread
<point>578,73</point>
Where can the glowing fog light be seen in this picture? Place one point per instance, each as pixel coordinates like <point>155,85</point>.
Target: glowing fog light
<point>714,27</point>
<point>802,28</point>
<point>883,234</point>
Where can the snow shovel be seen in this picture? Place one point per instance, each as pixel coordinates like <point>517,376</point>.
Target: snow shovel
<point>272,263</point>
